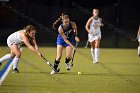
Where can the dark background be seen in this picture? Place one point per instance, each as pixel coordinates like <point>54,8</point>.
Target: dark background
<point>124,15</point>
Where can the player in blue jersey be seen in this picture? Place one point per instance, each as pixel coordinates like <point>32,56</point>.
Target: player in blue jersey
<point>66,38</point>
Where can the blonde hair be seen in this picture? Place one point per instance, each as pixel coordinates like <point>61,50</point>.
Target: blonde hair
<point>96,9</point>
<point>28,28</point>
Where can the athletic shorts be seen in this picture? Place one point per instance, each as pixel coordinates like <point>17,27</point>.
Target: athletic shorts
<point>60,41</point>
<point>93,37</point>
<point>14,39</point>
<point>11,42</point>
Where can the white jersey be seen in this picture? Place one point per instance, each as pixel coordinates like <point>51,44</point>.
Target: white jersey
<point>14,39</point>
<point>95,22</point>
<point>95,30</point>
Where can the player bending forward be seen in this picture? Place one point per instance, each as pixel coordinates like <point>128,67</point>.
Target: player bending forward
<point>94,34</point>
<point>138,35</point>
<point>14,41</point>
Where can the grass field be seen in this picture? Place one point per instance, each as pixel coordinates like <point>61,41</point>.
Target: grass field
<point>117,72</point>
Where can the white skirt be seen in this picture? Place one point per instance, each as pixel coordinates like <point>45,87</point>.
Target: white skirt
<point>93,37</point>
<point>14,39</point>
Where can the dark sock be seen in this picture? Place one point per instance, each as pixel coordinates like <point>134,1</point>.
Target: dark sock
<point>67,60</point>
<point>56,63</point>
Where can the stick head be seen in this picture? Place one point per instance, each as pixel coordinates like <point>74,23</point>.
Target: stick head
<point>48,63</point>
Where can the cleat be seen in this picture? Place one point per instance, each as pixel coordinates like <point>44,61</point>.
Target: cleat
<point>95,62</point>
<point>56,71</point>
<point>53,72</point>
<point>68,66</point>
<point>15,70</point>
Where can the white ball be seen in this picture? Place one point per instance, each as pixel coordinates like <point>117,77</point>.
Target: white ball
<point>79,73</point>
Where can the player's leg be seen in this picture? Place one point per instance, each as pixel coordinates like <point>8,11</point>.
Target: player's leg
<point>92,49</point>
<point>69,51</point>
<point>139,49</point>
<point>58,57</point>
<point>6,57</point>
<point>17,53</point>
<point>96,51</point>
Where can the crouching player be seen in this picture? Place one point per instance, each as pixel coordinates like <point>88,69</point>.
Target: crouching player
<point>66,37</point>
<point>138,35</point>
<point>14,41</point>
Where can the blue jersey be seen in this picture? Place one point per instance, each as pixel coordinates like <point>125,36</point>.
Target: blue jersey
<point>69,34</point>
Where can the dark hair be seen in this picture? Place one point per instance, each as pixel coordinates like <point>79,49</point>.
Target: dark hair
<point>66,17</point>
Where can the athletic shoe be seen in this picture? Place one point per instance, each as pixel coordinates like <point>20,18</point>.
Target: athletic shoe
<point>68,66</point>
<point>54,72</point>
<point>0,64</point>
<point>95,62</point>
<point>15,70</point>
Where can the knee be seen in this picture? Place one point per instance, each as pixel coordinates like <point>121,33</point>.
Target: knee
<point>12,55</point>
<point>58,58</point>
<point>97,45</point>
<point>18,55</point>
<point>93,47</point>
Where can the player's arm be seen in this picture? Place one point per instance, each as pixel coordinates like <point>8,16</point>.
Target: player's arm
<point>61,32</point>
<point>35,44</point>
<point>27,43</point>
<point>75,31</point>
<point>138,31</point>
<point>88,24</point>
<point>101,23</point>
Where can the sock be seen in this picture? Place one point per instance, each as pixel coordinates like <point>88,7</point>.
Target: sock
<point>96,51</point>
<point>15,62</point>
<point>138,50</point>
<point>67,60</point>
<point>6,57</point>
<point>92,53</point>
<point>56,63</point>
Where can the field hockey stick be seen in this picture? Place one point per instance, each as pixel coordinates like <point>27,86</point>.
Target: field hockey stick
<point>74,54</point>
<point>87,44</point>
<point>56,70</point>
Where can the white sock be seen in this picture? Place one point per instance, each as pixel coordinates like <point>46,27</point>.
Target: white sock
<point>92,53</point>
<point>138,50</point>
<point>15,62</point>
<point>96,52</point>
<point>6,57</point>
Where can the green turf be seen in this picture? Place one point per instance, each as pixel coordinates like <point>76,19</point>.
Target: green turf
<point>117,72</point>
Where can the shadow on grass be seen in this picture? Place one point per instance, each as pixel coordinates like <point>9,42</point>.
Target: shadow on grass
<point>83,73</point>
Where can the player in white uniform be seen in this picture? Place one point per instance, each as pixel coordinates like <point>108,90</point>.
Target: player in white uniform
<point>14,41</point>
<point>138,35</point>
<point>94,34</point>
